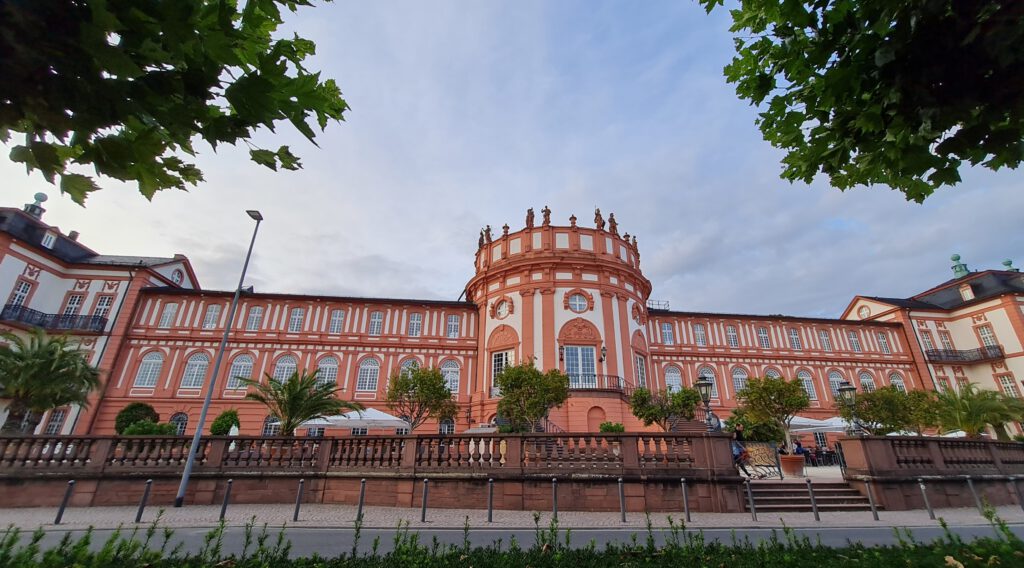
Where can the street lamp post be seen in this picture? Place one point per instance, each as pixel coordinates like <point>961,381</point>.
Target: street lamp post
<point>704,387</point>
<point>848,395</point>
<point>179,500</point>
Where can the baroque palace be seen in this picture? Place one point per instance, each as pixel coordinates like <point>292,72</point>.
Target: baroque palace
<point>569,297</point>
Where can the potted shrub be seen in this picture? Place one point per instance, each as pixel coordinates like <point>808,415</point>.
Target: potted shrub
<point>777,401</point>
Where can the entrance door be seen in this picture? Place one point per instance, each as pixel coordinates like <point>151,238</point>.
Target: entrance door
<point>580,366</point>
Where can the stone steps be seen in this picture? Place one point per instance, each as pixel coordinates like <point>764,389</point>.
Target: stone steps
<point>792,497</point>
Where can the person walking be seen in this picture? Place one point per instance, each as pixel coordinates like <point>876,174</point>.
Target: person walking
<point>739,451</point>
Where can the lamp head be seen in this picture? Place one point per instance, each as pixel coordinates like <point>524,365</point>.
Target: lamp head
<point>704,385</point>
<point>254,214</point>
<point>847,392</point>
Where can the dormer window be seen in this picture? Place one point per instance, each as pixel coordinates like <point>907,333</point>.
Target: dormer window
<point>966,292</point>
<point>49,239</point>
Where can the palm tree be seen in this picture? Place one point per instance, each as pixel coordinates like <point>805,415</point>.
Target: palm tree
<point>298,399</point>
<point>39,373</point>
<point>972,409</point>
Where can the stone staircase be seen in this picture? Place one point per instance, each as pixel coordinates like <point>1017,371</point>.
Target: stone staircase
<point>792,497</point>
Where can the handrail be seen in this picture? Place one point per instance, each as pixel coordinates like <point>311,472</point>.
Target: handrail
<point>986,353</point>
<point>35,318</point>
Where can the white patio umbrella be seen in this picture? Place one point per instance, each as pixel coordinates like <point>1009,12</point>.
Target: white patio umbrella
<point>368,418</point>
<point>833,424</point>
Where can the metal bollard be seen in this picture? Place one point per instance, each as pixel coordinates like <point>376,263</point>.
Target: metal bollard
<point>974,493</point>
<point>142,502</point>
<point>924,495</point>
<point>814,502</point>
<point>871,499</point>
<point>298,500</point>
<point>423,505</point>
<point>750,500</point>
<point>362,497</point>
<point>490,500</point>
<point>622,500</point>
<point>686,499</point>
<point>554,498</point>
<point>64,503</point>
<point>227,497</point>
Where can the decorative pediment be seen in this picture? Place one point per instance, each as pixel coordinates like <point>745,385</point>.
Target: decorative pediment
<point>579,330</point>
<point>503,336</point>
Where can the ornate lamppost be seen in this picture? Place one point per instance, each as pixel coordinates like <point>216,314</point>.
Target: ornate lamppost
<point>704,386</point>
<point>848,396</point>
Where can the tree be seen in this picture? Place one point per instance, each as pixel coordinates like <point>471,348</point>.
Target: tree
<point>222,425</point>
<point>150,428</point>
<point>666,409</point>
<point>127,87</point>
<point>133,413</point>
<point>923,411</point>
<point>420,393</point>
<point>887,92</point>
<point>527,394</point>
<point>298,399</point>
<point>753,430</point>
<point>774,401</point>
<point>889,410</point>
<point>972,409</point>
<point>40,373</point>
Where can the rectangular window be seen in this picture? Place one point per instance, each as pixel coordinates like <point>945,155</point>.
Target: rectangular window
<point>820,440</point>
<point>946,340</point>
<point>20,294</point>
<point>359,431</point>
<point>731,336</point>
<point>763,338</point>
<point>499,361</point>
<point>883,343</point>
<point>255,318</point>
<point>103,305</point>
<point>49,239</point>
<point>926,339</point>
<point>315,432</point>
<point>854,341</point>
<point>698,335</point>
<point>401,431</point>
<point>1009,386</point>
<point>167,316</point>
<point>376,323</point>
<point>825,339</point>
<point>212,316</point>
<point>454,324</point>
<point>74,304</point>
<point>667,337</point>
<point>794,340</point>
<point>943,384</point>
<point>56,422</point>
<point>295,319</point>
<point>641,371</point>
<point>988,338</point>
<point>337,321</point>
<point>415,325</point>
<point>580,366</point>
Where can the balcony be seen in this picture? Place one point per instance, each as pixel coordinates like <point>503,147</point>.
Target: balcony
<point>52,322</point>
<point>599,382</point>
<point>979,355</point>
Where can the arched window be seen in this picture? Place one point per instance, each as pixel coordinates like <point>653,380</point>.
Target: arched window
<point>808,383</point>
<point>285,368</point>
<point>408,365</point>
<point>447,426</point>
<point>195,371</point>
<point>450,370</point>
<point>739,379</point>
<point>673,379</point>
<point>241,367</point>
<point>709,372</point>
<point>149,369</point>
<point>271,426</point>
<point>369,371</point>
<point>867,382</point>
<point>771,373</point>
<point>896,380</point>
<point>180,421</point>
<point>835,380</point>
<point>327,371</point>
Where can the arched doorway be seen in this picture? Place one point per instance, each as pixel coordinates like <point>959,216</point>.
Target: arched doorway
<point>595,416</point>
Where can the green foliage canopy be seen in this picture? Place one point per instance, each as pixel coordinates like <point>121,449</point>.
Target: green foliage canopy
<point>133,413</point>
<point>150,428</point>
<point>221,425</point>
<point>127,86</point>
<point>298,399</point>
<point>774,401</point>
<point>611,427</point>
<point>527,394</point>
<point>893,92</point>
<point>417,394</point>
<point>666,409</point>
<point>889,409</point>
<point>971,410</point>
<point>39,373</point>
<point>753,430</point>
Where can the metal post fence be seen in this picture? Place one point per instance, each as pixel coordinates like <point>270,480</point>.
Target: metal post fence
<point>622,500</point>
<point>924,495</point>
<point>974,493</point>
<point>814,502</point>
<point>298,500</point>
<point>554,498</point>
<point>750,500</point>
<point>362,498</point>
<point>423,504</point>
<point>686,499</point>
<point>142,502</point>
<point>227,498</point>
<point>490,500</point>
<point>64,502</point>
<point>871,499</point>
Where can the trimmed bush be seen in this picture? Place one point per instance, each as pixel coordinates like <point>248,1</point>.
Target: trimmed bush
<point>612,427</point>
<point>148,428</point>
<point>225,420</point>
<point>133,413</point>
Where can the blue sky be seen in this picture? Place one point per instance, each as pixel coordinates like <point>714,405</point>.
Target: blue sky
<point>467,113</point>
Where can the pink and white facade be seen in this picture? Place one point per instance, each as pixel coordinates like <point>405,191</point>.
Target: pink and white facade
<point>566,297</point>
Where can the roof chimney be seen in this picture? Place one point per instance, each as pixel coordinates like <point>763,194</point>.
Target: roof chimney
<point>73,235</point>
<point>36,209</point>
<point>1009,266</point>
<point>959,268</point>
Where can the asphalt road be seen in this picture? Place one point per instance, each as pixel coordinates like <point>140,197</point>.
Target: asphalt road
<point>333,541</point>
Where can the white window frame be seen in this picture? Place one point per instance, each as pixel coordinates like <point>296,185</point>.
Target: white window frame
<point>296,319</point>
<point>359,431</point>
<point>739,379</point>
<point>763,339</point>
<point>212,316</point>
<point>376,323</point>
<point>772,373</point>
<point>896,380</point>
<point>807,380</point>
<point>883,343</point>
<point>74,305</point>
<point>55,423</point>
<point>271,427</point>
<point>149,370</point>
<point>415,328</point>
<point>926,339</point>
<point>946,339</point>
<point>825,339</point>
<point>446,426</point>
<point>451,370</point>
<point>854,338</point>
<point>194,375</point>
<point>241,366</point>
<point>103,306</point>
<point>327,371</point>
<point>867,382</point>
<point>987,335</point>
<point>673,379</point>
<point>795,343</point>
<point>578,303</point>
<point>835,380</point>
<point>337,322</point>
<point>700,337</point>
<point>21,291</point>
<point>709,372</point>
<point>640,361</point>
<point>49,239</point>
<point>254,319</point>
<point>732,338</point>
<point>284,367</point>
<point>180,421</point>
<point>170,310</point>
<point>454,326</point>
<point>1009,386</point>
<point>368,376</point>
<point>667,335</point>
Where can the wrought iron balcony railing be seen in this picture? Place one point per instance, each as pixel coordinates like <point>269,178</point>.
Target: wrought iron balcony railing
<point>988,353</point>
<point>58,322</point>
<point>596,382</point>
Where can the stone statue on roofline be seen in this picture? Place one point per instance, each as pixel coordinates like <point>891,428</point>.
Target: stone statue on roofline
<point>626,237</point>
<point>613,225</point>
<point>572,221</point>
<point>598,219</point>
<point>529,218</point>
<point>487,234</point>
<point>547,215</point>
<point>504,230</point>
<point>480,243</point>
<point>634,241</point>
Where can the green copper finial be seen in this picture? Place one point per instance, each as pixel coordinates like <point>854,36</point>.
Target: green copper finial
<point>959,268</point>
<point>955,258</point>
<point>1009,266</point>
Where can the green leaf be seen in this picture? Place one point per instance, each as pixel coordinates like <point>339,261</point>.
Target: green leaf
<point>264,157</point>
<point>288,160</point>
<point>77,186</point>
